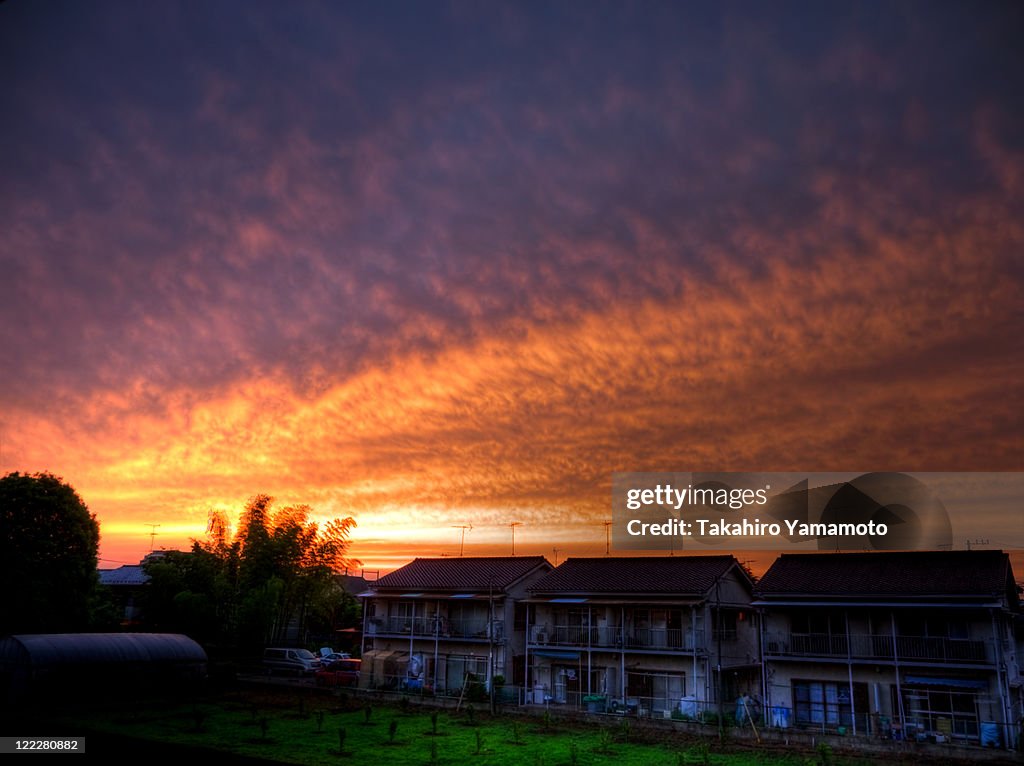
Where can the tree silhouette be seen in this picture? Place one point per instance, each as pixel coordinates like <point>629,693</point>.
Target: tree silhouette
<point>48,555</point>
<point>275,574</point>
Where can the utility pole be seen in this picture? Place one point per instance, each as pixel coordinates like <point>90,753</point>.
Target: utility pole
<point>513,526</point>
<point>490,640</point>
<point>152,535</point>
<point>555,551</point>
<point>718,652</point>
<point>607,538</point>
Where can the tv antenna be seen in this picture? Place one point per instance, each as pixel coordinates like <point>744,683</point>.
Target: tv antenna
<point>513,526</point>
<point>462,540</point>
<point>976,541</point>
<point>152,535</point>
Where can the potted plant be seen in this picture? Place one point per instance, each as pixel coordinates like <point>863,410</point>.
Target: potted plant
<point>595,703</point>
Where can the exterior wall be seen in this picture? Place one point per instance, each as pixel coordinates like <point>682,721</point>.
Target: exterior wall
<point>438,667</point>
<point>447,636</point>
<point>890,672</point>
<point>878,699</point>
<point>431,632</point>
<point>648,656</point>
<point>646,685</point>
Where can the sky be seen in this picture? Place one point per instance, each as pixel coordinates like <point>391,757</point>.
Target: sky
<point>443,264</point>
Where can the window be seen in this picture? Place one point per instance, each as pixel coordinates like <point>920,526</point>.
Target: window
<point>933,627</point>
<point>465,673</point>
<point>821,623</point>
<point>724,623</point>
<point>826,704</point>
<point>655,691</point>
<point>946,711</point>
<point>519,617</point>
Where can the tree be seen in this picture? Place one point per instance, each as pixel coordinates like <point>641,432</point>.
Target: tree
<point>49,544</point>
<point>274,579</point>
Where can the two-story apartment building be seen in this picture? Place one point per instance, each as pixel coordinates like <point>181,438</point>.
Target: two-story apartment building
<point>647,635</point>
<point>916,645</point>
<point>441,624</point>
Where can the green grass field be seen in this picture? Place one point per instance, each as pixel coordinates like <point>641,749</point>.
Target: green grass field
<point>328,731</point>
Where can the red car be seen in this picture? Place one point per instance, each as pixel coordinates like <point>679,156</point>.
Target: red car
<point>339,673</point>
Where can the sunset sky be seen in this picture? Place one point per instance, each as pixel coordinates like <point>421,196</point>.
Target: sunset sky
<point>433,264</point>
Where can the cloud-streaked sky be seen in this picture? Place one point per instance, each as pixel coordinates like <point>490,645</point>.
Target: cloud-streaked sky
<point>433,264</point>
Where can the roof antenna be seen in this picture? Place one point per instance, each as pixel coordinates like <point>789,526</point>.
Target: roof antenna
<point>462,542</point>
<point>513,526</point>
<point>152,535</point>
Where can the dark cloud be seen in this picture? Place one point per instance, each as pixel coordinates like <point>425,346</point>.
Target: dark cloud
<point>492,254</point>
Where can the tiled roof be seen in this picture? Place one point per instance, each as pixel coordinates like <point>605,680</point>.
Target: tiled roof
<point>901,574</point>
<point>468,574</point>
<point>129,574</point>
<point>689,575</point>
<point>353,584</point>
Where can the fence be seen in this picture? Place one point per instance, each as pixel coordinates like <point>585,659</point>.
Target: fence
<point>615,637</point>
<point>882,646</point>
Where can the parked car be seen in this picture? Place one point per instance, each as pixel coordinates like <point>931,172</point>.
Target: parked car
<point>296,661</point>
<point>328,655</point>
<point>339,673</point>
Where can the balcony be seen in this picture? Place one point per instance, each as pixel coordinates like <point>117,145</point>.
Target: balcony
<point>664,639</point>
<point>879,647</point>
<point>437,627</point>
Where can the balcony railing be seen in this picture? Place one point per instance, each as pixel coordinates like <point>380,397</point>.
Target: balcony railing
<point>881,646</point>
<point>667,639</point>
<point>429,627</point>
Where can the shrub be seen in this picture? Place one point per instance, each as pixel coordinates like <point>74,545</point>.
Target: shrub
<point>824,754</point>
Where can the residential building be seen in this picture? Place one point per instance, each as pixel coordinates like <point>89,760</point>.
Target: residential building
<point>446,625</point>
<point>914,645</point>
<point>653,636</point>
<point>126,584</point>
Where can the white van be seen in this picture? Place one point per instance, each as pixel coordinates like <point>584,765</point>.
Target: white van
<point>297,661</point>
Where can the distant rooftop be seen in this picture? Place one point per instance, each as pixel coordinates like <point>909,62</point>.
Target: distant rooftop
<point>469,573</point>
<point>129,574</point>
<point>353,584</point>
